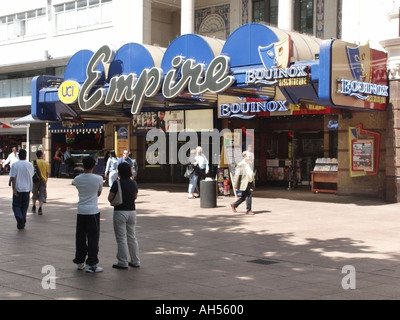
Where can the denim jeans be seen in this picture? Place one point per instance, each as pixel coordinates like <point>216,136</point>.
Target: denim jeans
<point>193,183</point>
<point>124,229</point>
<point>20,206</point>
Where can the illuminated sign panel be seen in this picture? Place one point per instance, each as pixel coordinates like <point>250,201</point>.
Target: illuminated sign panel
<point>358,76</point>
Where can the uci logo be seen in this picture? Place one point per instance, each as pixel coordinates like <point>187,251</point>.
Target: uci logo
<point>69,91</point>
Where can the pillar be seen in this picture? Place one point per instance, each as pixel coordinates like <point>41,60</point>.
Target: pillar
<point>392,181</point>
<point>286,15</point>
<point>187,16</point>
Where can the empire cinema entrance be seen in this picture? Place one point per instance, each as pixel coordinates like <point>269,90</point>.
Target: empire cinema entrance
<point>299,95</point>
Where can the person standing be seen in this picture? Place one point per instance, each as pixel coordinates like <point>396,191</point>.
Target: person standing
<point>11,159</point>
<point>69,162</point>
<point>57,159</point>
<point>243,181</point>
<point>124,219</point>
<point>132,162</point>
<point>89,187</point>
<point>39,190</point>
<point>21,174</point>
<point>203,166</point>
<point>192,167</point>
<point>111,172</point>
<point>161,121</point>
<point>203,163</point>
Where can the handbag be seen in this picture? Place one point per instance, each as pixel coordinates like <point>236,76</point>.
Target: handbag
<point>189,172</point>
<point>118,196</point>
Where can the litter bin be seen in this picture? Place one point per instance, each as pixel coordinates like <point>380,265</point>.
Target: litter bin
<point>208,194</point>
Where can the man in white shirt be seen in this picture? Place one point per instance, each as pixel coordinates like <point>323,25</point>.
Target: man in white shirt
<point>21,174</point>
<point>202,161</point>
<point>11,159</point>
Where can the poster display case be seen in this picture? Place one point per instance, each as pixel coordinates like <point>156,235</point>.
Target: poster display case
<point>324,177</point>
<point>364,155</point>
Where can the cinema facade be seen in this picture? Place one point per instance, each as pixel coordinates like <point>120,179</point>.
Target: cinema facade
<point>316,110</point>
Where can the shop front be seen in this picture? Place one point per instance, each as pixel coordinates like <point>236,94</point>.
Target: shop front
<point>297,97</point>
<point>81,139</point>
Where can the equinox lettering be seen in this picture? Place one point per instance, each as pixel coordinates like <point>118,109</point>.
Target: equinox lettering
<point>236,110</point>
<point>362,90</point>
<point>274,75</point>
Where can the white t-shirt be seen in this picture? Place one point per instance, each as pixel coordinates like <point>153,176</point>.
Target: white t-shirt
<point>22,171</point>
<point>88,185</point>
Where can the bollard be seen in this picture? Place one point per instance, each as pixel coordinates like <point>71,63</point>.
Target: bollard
<point>208,194</point>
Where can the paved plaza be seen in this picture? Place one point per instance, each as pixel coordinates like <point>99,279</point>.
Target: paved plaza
<point>298,246</point>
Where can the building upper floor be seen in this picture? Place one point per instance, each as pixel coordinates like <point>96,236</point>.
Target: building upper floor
<point>39,36</point>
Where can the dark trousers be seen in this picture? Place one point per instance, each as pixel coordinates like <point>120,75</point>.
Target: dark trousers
<point>57,164</point>
<point>246,196</point>
<point>20,206</point>
<point>87,239</point>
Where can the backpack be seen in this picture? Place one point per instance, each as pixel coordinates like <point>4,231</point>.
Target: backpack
<point>36,176</point>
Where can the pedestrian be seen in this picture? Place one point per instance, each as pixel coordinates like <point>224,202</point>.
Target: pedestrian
<point>11,159</point>
<point>57,159</point>
<point>111,172</point>
<point>89,187</point>
<point>192,174</point>
<point>21,174</point>
<point>132,163</point>
<point>203,166</point>
<point>124,219</point>
<point>69,162</point>
<point>39,190</point>
<point>243,181</point>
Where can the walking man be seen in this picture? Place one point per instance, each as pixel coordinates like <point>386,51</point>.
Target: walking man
<point>243,181</point>
<point>132,162</point>
<point>39,191</point>
<point>21,174</point>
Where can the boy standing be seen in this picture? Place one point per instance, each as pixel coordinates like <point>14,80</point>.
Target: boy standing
<point>89,187</point>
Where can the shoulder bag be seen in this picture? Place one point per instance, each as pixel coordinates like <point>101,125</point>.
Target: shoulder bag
<point>36,176</point>
<point>118,196</point>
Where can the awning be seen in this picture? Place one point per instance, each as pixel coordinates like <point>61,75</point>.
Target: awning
<point>68,126</point>
<point>6,129</point>
<point>4,126</point>
<point>26,120</point>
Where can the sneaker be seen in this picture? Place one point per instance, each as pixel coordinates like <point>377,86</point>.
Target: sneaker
<point>233,208</point>
<point>93,268</point>
<point>80,266</point>
<point>34,209</point>
<point>117,266</point>
<point>134,265</point>
<point>40,211</point>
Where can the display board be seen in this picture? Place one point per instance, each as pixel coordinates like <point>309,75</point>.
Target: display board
<point>364,151</point>
<point>231,154</point>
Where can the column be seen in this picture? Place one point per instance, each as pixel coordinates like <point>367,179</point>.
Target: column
<point>392,183</point>
<point>132,19</point>
<point>187,16</point>
<point>286,14</point>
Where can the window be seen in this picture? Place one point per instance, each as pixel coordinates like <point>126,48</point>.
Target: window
<point>21,25</point>
<point>82,14</point>
<point>304,16</point>
<point>265,11</point>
